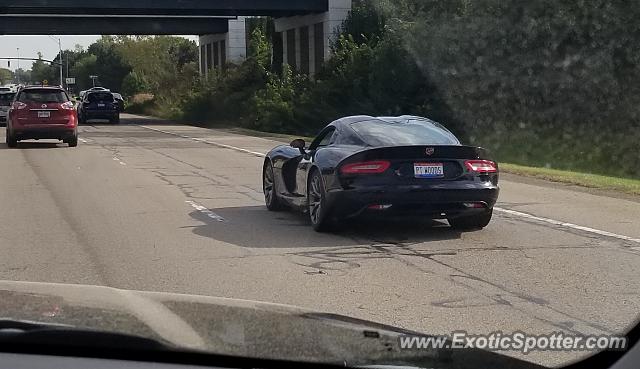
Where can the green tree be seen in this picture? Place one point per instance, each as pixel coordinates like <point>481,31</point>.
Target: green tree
<point>110,67</point>
<point>22,76</point>
<point>133,84</point>
<point>42,71</point>
<point>6,76</point>
<point>84,66</point>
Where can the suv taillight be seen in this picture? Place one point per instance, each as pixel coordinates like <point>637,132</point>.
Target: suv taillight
<point>67,106</point>
<point>19,105</point>
<point>481,166</point>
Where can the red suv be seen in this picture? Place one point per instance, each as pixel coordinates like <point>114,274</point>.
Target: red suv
<point>42,113</point>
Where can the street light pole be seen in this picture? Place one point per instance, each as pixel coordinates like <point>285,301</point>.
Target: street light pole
<point>18,74</point>
<point>61,65</point>
<point>61,74</point>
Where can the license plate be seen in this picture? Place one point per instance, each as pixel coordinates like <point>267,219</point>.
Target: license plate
<point>101,105</point>
<point>428,170</point>
<point>44,114</point>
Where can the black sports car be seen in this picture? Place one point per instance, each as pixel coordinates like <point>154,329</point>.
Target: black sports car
<point>387,165</point>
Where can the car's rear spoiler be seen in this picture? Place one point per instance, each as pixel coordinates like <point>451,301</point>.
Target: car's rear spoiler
<point>421,152</point>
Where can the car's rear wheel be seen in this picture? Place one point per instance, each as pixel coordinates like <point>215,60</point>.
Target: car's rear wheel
<point>271,198</point>
<point>73,142</point>
<point>472,222</point>
<point>318,209</point>
<point>11,139</point>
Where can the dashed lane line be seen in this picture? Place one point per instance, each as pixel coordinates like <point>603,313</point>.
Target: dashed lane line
<point>205,211</point>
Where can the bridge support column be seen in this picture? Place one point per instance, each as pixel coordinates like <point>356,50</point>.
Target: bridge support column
<point>307,39</point>
<point>216,50</point>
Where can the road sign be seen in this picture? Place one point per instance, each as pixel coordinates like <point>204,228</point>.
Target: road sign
<point>71,81</point>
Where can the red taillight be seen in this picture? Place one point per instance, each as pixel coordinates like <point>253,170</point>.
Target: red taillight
<point>19,105</point>
<point>481,166</point>
<point>67,106</point>
<point>366,167</point>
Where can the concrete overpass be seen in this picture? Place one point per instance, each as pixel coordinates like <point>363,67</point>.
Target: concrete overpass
<point>234,8</point>
<point>305,26</point>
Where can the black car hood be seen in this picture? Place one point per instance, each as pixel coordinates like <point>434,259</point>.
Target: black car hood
<point>229,327</point>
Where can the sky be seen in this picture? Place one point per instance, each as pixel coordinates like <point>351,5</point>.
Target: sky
<point>31,45</point>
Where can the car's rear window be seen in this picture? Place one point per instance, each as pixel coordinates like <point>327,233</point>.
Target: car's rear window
<point>405,132</point>
<point>6,99</point>
<point>100,96</point>
<point>43,96</point>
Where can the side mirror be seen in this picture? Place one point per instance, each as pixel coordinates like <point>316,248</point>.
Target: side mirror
<point>299,144</point>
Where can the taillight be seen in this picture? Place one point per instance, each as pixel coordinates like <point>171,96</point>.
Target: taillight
<point>67,106</point>
<point>19,105</point>
<point>481,166</point>
<point>366,167</point>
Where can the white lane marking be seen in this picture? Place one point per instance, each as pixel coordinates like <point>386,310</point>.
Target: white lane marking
<point>83,140</point>
<point>115,158</point>
<point>568,225</point>
<point>205,211</point>
<point>254,153</point>
<point>506,211</point>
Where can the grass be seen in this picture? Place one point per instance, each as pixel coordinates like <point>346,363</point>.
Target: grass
<point>626,185</point>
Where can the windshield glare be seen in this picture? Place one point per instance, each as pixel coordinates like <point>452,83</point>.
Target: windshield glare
<point>297,169</point>
<point>403,133</point>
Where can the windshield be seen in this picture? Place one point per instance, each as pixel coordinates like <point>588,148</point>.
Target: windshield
<point>100,96</point>
<point>403,133</point>
<point>468,169</point>
<point>42,96</point>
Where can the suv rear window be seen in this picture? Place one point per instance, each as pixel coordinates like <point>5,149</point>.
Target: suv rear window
<point>42,96</point>
<point>6,99</point>
<point>100,96</point>
<point>404,132</point>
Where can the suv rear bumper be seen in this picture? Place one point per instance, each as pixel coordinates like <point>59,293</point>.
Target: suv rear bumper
<point>110,114</point>
<point>59,133</point>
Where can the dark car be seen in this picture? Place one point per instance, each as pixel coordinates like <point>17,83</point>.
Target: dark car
<point>6,99</point>
<point>42,113</point>
<point>388,165</point>
<point>98,105</point>
<point>119,101</point>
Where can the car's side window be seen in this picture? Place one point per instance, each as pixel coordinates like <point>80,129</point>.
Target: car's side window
<point>324,139</point>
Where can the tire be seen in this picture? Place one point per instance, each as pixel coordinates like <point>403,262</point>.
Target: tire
<point>319,213</point>
<point>472,222</point>
<point>81,119</point>
<point>271,198</point>
<point>115,120</point>
<point>73,142</point>
<point>11,141</point>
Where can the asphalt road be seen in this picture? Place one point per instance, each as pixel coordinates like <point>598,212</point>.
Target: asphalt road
<point>152,206</point>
